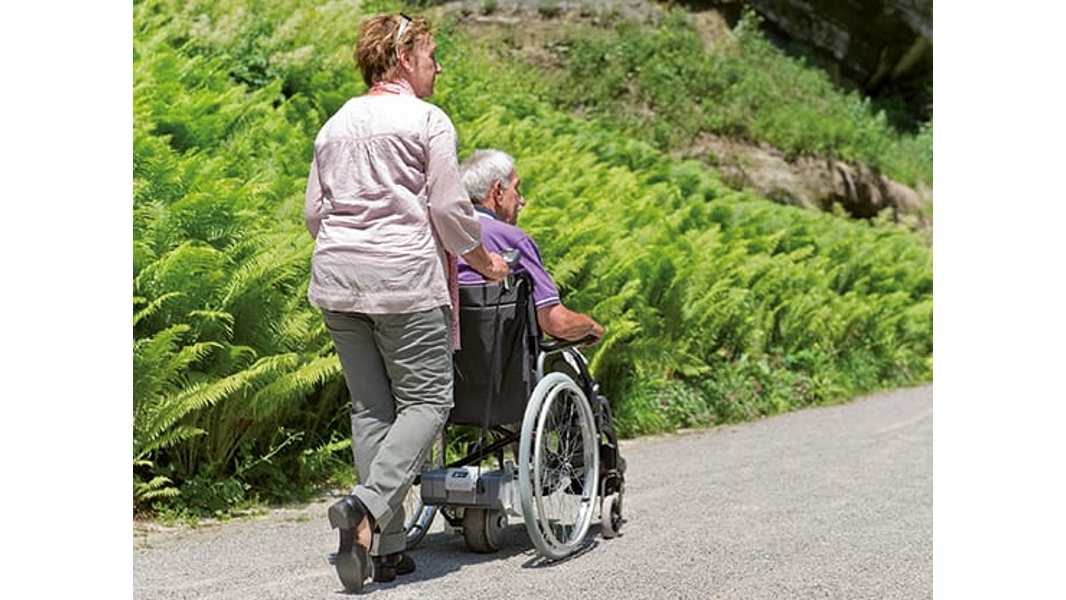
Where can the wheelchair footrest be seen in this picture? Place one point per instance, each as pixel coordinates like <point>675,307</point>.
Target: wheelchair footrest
<point>471,486</point>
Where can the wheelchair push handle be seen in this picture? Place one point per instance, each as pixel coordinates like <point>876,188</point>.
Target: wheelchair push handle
<point>511,256</point>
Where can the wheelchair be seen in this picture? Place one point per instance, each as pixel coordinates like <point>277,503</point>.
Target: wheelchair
<point>545,449</point>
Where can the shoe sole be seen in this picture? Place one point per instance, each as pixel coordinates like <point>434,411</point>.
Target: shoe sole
<point>351,562</point>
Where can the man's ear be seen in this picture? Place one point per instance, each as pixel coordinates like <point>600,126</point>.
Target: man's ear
<point>404,56</point>
<point>495,192</point>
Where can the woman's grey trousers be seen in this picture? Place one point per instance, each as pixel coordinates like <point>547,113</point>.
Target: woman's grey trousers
<point>398,368</point>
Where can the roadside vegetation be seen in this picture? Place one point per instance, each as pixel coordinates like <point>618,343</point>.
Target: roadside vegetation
<point>720,306</point>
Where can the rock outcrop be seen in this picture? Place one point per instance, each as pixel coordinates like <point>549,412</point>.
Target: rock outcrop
<point>817,183</point>
<point>869,43</point>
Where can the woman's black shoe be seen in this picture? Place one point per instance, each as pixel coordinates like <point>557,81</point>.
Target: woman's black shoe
<point>351,561</point>
<point>387,567</point>
<point>347,512</point>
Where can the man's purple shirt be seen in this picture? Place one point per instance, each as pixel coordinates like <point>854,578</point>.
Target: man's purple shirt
<point>498,236</point>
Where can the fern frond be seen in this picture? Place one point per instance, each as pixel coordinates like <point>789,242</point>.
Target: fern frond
<point>163,435</point>
<point>154,489</point>
<point>152,307</point>
<point>293,386</point>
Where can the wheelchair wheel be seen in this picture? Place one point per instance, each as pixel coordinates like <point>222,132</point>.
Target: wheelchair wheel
<point>558,466</point>
<point>418,517</point>
<point>483,529</point>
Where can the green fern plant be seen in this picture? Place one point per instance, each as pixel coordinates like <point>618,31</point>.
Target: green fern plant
<point>160,402</point>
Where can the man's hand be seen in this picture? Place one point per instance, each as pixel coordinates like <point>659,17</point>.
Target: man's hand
<point>560,322</point>
<point>595,335</point>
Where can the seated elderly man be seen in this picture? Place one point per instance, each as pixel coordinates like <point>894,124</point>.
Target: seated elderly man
<point>492,184</point>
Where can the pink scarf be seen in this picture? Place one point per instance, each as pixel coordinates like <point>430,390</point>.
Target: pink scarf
<point>402,87</point>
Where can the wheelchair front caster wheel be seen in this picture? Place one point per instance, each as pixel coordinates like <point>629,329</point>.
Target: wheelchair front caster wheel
<point>611,515</point>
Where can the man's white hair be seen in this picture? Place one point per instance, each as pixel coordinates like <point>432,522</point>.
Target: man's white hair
<point>484,168</point>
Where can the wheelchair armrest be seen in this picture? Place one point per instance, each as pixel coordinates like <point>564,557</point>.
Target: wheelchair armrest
<point>551,345</point>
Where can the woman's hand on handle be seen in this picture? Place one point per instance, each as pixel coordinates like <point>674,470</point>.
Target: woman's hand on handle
<point>492,266</point>
<point>499,269</point>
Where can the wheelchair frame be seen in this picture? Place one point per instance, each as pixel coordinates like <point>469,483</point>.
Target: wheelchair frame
<point>565,438</point>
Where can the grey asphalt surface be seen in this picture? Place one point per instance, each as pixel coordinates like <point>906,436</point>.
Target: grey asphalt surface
<point>832,502</point>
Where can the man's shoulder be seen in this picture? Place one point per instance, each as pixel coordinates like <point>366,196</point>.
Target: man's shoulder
<point>499,227</point>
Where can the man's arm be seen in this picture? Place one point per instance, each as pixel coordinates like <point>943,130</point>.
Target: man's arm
<point>554,319</point>
<point>560,322</point>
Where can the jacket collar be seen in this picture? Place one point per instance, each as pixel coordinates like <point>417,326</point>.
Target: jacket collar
<point>485,211</point>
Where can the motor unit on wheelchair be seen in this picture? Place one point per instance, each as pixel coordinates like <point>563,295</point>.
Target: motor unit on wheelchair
<point>547,449</point>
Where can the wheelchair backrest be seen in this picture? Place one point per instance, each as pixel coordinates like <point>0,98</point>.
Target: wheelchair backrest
<point>495,368</point>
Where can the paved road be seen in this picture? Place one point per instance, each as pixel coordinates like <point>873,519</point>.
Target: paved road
<point>832,502</point>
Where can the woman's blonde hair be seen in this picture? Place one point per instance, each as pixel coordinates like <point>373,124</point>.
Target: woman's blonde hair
<point>377,50</point>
